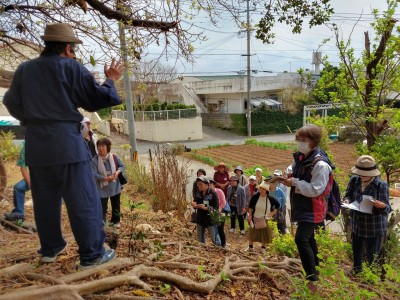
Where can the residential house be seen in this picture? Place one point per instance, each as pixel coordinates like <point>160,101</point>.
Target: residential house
<point>228,93</point>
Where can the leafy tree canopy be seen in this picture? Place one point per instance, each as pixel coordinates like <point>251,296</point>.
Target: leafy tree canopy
<point>364,84</point>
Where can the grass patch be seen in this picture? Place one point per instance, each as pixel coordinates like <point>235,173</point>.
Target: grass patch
<point>218,146</point>
<point>274,145</point>
<point>205,159</point>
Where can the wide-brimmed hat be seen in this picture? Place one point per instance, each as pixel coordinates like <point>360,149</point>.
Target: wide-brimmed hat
<point>60,32</point>
<point>366,166</point>
<point>264,186</point>
<point>240,168</point>
<point>203,178</point>
<point>216,168</point>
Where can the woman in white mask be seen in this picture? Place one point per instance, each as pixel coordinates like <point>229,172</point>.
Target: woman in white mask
<point>309,179</point>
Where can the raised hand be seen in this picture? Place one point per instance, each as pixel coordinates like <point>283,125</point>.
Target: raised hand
<point>115,70</point>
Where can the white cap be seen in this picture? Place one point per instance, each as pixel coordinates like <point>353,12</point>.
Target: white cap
<point>278,172</point>
<point>258,169</point>
<point>252,177</point>
<point>85,120</point>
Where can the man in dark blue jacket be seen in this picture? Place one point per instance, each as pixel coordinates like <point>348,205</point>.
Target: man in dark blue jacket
<point>45,95</point>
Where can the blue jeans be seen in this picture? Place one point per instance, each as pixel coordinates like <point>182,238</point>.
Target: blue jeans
<point>213,232</point>
<point>372,248</point>
<point>20,188</point>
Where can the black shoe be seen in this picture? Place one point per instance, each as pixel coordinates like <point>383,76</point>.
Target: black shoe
<point>14,217</point>
<point>353,272</point>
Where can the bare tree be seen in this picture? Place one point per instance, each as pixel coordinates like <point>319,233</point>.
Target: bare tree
<point>167,24</point>
<point>149,77</point>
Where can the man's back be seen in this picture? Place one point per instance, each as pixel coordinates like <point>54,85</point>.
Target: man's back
<point>45,95</point>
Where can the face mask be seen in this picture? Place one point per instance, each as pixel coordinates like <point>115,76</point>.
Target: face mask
<point>303,147</point>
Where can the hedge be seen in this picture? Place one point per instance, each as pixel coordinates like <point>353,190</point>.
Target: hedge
<point>274,122</point>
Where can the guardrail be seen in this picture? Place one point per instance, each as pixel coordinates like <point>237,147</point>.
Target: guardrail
<point>160,115</point>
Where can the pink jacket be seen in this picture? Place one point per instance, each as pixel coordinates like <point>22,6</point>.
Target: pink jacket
<point>221,197</point>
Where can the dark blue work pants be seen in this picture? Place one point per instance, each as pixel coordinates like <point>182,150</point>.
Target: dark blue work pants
<point>74,183</point>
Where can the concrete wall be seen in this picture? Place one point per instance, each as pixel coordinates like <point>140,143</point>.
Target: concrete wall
<point>218,120</point>
<point>165,131</point>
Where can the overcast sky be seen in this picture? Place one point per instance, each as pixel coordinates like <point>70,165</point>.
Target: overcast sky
<point>223,50</point>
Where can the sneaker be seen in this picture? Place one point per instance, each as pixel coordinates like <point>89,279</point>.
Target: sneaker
<point>50,259</point>
<point>109,254</point>
<point>232,230</point>
<point>14,217</point>
<point>242,232</point>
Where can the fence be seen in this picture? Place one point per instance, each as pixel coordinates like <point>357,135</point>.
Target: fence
<point>161,115</point>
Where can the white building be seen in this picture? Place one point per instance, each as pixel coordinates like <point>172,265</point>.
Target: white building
<point>228,94</point>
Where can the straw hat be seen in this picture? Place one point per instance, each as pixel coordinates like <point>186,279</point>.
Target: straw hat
<point>216,168</point>
<point>60,32</point>
<point>366,166</point>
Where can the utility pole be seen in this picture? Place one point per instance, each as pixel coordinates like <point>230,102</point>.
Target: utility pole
<point>128,91</point>
<point>248,72</point>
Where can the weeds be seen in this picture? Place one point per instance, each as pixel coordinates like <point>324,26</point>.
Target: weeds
<point>8,149</point>
<point>165,288</point>
<point>170,177</point>
<point>139,177</point>
<point>203,275</point>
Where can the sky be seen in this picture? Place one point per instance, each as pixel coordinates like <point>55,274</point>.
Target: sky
<point>222,52</point>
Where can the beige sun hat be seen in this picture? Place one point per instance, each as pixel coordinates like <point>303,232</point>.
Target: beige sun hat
<point>264,185</point>
<point>60,32</point>
<point>366,166</point>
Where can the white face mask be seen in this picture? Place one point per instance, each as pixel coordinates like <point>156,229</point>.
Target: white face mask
<point>303,147</point>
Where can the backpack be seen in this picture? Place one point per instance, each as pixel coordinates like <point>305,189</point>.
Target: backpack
<point>331,194</point>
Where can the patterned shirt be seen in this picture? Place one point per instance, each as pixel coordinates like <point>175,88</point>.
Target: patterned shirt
<point>368,225</point>
<point>21,159</point>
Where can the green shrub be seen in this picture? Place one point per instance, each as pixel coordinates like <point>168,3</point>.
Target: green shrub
<point>283,244</point>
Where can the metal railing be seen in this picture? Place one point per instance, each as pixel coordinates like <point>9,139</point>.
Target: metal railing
<point>161,115</point>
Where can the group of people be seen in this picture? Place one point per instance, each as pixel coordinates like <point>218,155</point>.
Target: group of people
<point>309,177</point>
<point>45,95</point>
<point>241,195</point>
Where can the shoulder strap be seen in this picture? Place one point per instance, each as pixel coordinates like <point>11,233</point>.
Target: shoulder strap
<point>115,161</point>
